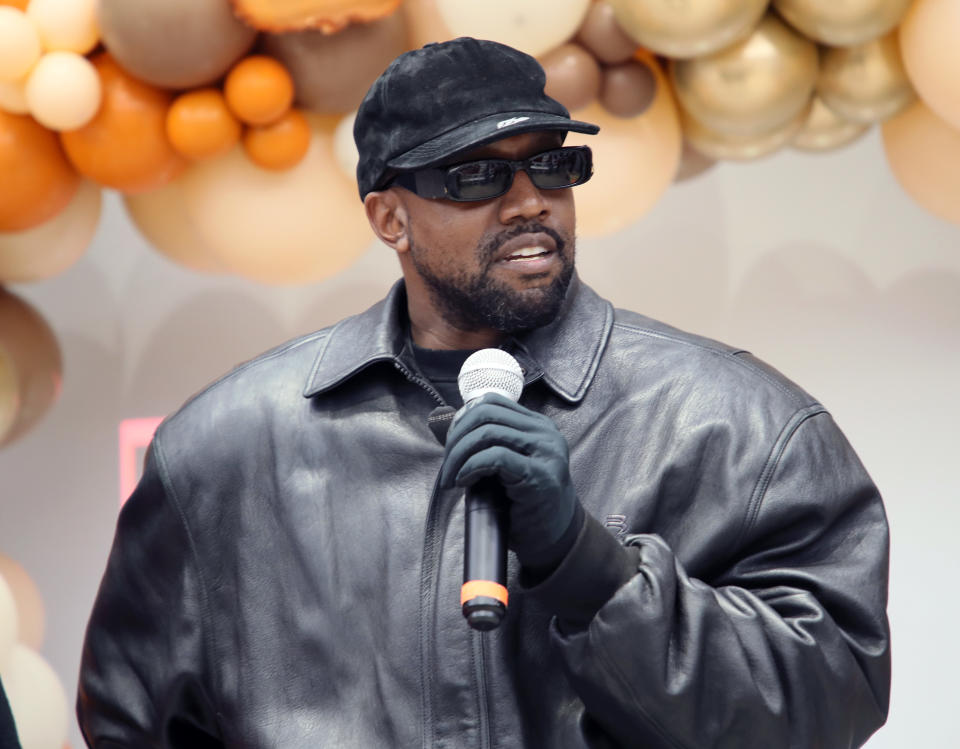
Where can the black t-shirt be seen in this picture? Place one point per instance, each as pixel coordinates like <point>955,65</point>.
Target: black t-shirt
<point>441,367</point>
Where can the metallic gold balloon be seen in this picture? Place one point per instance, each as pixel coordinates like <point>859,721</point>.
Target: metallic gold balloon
<point>825,130</point>
<point>716,145</point>
<point>752,87</point>
<point>689,28</point>
<point>866,83</point>
<point>841,23</point>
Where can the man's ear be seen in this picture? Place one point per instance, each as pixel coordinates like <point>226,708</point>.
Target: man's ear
<point>388,218</point>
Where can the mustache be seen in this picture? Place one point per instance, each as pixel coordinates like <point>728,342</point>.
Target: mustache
<point>488,250</point>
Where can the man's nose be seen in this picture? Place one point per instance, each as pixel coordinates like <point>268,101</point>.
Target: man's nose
<point>523,200</point>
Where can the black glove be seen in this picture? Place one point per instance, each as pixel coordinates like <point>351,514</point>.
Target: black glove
<point>494,436</point>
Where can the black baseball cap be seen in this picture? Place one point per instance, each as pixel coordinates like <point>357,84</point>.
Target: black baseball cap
<point>446,98</point>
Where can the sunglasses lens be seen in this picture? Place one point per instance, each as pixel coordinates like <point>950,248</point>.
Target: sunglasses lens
<point>553,170</point>
<point>479,180</point>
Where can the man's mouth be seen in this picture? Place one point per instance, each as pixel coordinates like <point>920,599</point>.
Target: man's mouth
<point>526,254</point>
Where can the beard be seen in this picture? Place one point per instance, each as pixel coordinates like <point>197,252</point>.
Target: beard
<point>476,301</point>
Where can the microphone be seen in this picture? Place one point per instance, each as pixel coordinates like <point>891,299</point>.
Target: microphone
<point>483,596</point>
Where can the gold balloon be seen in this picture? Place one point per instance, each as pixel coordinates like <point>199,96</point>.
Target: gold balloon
<point>841,23</point>
<point>867,82</point>
<point>740,147</point>
<point>924,154</point>
<point>753,87</point>
<point>687,29</point>
<point>825,130</point>
<point>634,159</point>
<point>31,367</point>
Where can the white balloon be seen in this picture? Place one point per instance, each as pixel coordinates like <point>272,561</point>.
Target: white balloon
<point>533,26</point>
<point>63,91</point>
<point>9,628</point>
<point>19,44</point>
<point>69,25</point>
<point>37,700</point>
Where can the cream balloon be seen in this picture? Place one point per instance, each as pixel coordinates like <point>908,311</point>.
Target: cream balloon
<point>533,26</point>
<point>924,154</point>
<point>741,147</point>
<point>687,29</point>
<point>424,24</point>
<point>31,616</point>
<point>345,147</point>
<point>161,216</point>
<point>13,97</point>
<point>753,87</point>
<point>929,36</point>
<point>825,130</point>
<point>292,227</point>
<point>635,161</point>
<point>867,82</point>
<point>69,25</point>
<point>37,698</point>
<point>19,44</point>
<point>9,617</point>
<point>54,246</point>
<point>841,24</point>
<point>63,91</point>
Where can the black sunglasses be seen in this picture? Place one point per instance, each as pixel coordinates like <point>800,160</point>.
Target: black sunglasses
<point>484,179</point>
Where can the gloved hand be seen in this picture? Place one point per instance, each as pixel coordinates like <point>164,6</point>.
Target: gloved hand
<point>494,436</point>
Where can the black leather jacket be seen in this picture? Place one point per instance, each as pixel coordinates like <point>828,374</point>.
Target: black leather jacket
<point>287,572</point>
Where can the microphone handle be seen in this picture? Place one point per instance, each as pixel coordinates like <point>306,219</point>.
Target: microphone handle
<point>483,597</point>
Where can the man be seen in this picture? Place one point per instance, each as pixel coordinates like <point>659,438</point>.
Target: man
<point>699,558</point>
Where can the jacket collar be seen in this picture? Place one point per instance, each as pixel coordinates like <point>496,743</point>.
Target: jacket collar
<point>565,353</point>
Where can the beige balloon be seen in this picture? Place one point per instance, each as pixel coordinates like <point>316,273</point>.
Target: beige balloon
<point>924,154</point>
<point>37,698</point>
<point>69,25</point>
<point>49,249</point>
<point>33,364</point>
<point>687,29</point>
<point>292,227</point>
<point>753,87</point>
<point>534,26</point>
<point>19,44</point>
<point>842,23</point>
<point>635,161</point>
<point>723,146</point>
<point>825,130</point>
<point>930,43</point>
<point>345,147</point>
<point>162,218</point>
<point>31,617</point>
<point>63,91</point>
<point>424,23</point>
<point>867,82</point>
<point>13,97</point>
<point>9,616</point>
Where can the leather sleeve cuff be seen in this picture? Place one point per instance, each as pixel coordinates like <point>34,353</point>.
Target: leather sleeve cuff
<point>591,572</point>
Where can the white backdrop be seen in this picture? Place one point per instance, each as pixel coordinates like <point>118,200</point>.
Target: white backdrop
<point>818,264</point>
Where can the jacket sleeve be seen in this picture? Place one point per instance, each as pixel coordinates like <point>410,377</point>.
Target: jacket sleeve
<point>786,646</point>
<point>141,681</point>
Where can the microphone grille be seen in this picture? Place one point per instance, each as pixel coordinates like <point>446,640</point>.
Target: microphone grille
<point>490,370</point>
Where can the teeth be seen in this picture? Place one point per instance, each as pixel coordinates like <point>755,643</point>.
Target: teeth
<point>527,252</point>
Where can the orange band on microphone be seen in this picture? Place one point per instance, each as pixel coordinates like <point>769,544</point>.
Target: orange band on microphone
<point>488,588</point>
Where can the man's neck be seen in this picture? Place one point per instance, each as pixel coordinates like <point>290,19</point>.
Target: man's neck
<point>444,336</point>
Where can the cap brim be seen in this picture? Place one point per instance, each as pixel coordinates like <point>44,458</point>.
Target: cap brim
<point>481,132</point>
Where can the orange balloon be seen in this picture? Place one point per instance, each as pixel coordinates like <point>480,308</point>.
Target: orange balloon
<point>200,125</point>
<point>125,145</point>
<point>280,145</point>
<point>259,90</point>
<point>38,182</point>
<point>21,4</point>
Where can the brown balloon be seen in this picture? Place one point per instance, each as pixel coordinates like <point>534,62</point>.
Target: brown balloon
<point>865,83</point>
<point>573,75</point>
<point>174,43</point>
<point>628,89</point>
<point>753,87</point>
<point>331,73</point>
<point>601,35</point>
<point>825,130</point>
<point>31,367</point>
<point>842,23</point>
